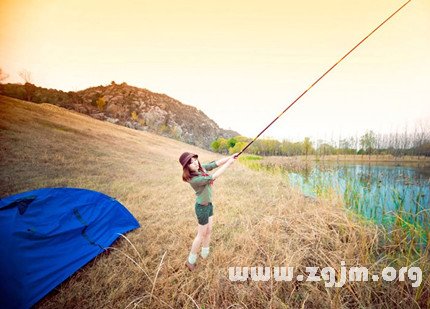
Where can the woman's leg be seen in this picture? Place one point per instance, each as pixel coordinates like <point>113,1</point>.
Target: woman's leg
<point>207,235</point>
<point>201,233</point>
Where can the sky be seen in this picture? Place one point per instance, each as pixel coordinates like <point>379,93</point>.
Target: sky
<point>240,62</point>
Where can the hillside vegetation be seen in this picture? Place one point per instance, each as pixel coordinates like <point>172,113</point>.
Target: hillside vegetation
<point>130,106</point>
<point>259,220</point>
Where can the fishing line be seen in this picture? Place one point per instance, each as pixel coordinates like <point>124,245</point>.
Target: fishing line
<point>304,92</point>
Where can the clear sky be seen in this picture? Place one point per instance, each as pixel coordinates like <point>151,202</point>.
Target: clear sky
<point>240,62</point>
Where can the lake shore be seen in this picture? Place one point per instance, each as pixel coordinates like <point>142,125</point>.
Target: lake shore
<point>297,163</point>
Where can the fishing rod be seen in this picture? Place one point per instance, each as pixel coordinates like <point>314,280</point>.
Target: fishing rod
<point>326,72</point>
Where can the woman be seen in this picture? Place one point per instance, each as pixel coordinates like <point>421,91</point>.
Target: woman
<point>196,175</point>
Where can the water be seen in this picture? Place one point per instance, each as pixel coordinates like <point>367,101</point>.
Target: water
<point>377,191</point>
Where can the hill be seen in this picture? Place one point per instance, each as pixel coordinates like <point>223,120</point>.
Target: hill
<point>132,107</point>
<point>259,221</point>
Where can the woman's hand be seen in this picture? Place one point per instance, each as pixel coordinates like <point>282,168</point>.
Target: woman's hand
<point>228,161</point>
<point>233,155</point>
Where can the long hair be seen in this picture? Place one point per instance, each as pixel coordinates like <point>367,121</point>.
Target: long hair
<point>187,174</point>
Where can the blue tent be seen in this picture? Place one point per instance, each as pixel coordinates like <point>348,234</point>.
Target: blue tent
<point>48,234</point>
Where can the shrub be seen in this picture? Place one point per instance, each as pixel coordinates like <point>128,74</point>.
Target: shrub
<point>101,103</point>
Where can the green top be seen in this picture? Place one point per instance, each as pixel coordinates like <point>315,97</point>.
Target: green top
<point>202,185</point>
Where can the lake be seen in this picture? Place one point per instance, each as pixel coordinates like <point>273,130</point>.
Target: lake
<point>376,190</point>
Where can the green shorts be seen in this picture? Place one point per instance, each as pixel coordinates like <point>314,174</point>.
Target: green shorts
<point>203,212</point>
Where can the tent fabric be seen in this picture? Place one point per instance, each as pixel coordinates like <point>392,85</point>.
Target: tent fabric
<point>48,234</point>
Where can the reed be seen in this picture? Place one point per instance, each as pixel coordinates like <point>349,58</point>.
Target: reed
<point>405,232</point>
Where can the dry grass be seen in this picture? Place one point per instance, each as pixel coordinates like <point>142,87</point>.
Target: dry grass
<point>301,163</point>
<point>259,220</point>
<point>386,159</point>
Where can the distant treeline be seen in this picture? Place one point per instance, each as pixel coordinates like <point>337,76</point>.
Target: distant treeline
<point>32,93</point>
<point>397,144</point>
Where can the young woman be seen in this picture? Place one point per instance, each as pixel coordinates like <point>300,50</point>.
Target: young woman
<point>196,175</point>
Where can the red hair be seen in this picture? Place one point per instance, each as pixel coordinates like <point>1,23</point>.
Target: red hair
<point>187,174</point>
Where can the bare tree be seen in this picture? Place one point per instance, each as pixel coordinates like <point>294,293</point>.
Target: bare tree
<point>356,143</point>
<point>378,144</point>
<point>28,86</point>
<point>307,145</point>
<point>405,141</point>
<point>396,143</point>
<point>3,76</point>
<point>345,146</point>
<point>25,75</point>
<point>419,138</point>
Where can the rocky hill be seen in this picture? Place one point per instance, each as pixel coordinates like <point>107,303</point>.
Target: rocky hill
<point>130,106</point>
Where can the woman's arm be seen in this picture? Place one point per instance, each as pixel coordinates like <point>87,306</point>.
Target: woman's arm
<point>221,162</point>
<point>218,173</point>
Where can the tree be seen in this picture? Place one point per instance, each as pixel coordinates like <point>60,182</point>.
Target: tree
<point>326,149</point>
<point>223,145</point>
<point>3,76</point>
<point>368,142</point>
<point>231,142</point>
<point>238,147</point>
<point>25,75</point>
<point>420,136</point>
<point>240,138</point>
<point>101,103</point>
<point>405,141</point>
<point>284,147</point>
<point>220,145</point>
<point>345,145</point>
<point>215,145</point>
<point>28,86</point>
<point>134,115</point>
<point>270,146</point>
<point>307,145</point>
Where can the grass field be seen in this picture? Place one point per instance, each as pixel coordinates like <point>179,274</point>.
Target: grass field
<point>259,220</point>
